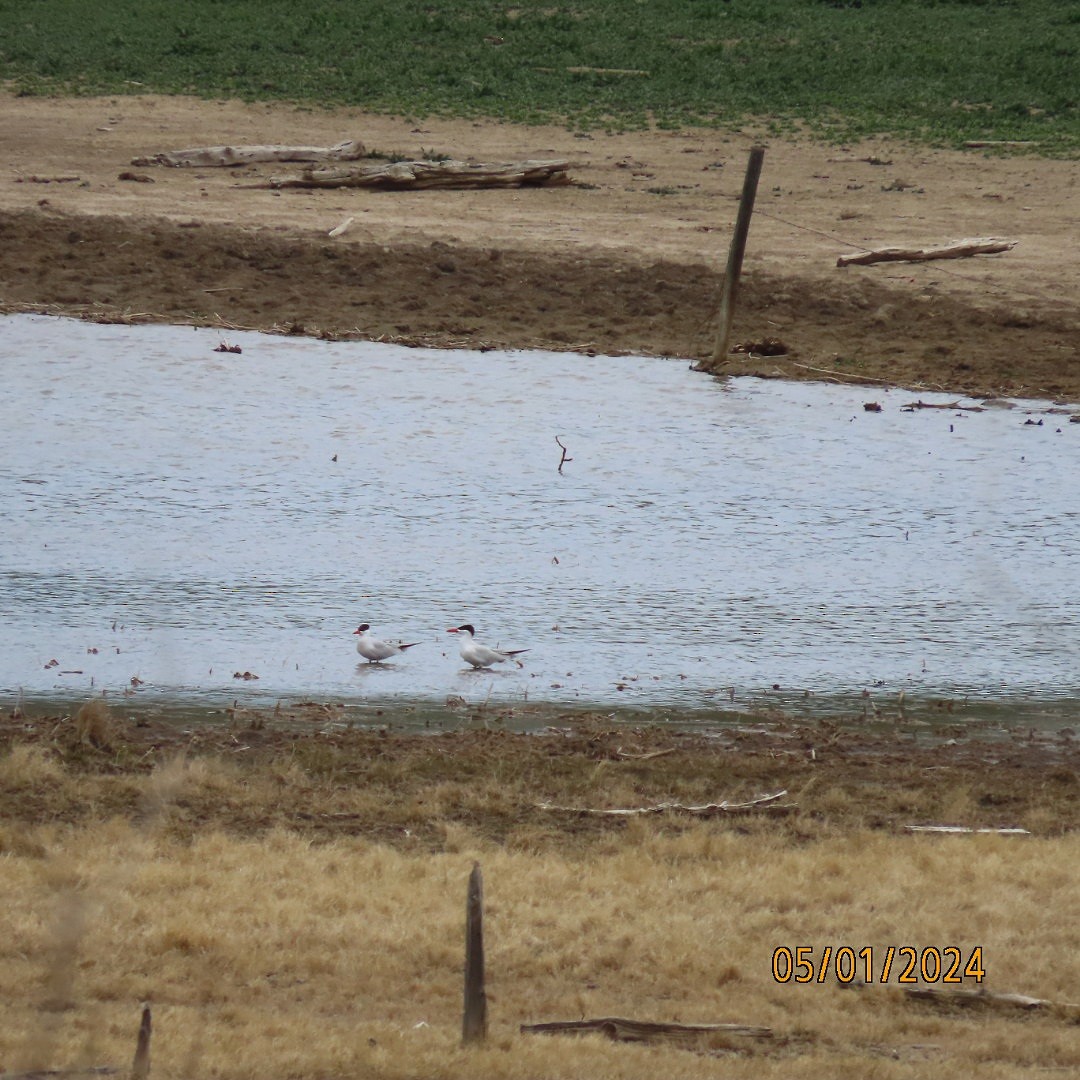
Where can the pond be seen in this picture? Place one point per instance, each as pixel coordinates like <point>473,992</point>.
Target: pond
<point>175,518</point>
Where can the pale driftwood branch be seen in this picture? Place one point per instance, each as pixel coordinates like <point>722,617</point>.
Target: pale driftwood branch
<point>410,175</point>
<point>224,156</point>
<point>843,374</point>
<point>340,230</point>
<point>623,1030</point>
<point>626,755</point>
<point>763,802</point>
<point>964,829</point>
<point>958,249</point>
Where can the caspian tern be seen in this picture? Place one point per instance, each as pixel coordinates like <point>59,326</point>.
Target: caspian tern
<point>373,650</point>
<point>480,656</point>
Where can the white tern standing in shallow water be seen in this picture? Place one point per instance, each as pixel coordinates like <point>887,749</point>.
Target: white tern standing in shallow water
<point>373,650</point>
<point>480,656</point>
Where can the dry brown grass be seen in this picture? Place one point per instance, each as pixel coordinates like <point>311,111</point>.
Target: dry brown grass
<point>277,957</point>
<point>288,949</point>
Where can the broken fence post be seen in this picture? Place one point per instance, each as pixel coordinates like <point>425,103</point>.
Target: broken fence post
<point>474,1023</point>
<point>140,1067</point>
<point>735,256</point>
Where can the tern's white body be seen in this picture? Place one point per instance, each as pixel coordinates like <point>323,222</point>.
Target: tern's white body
<point>373,650</point>
<point>480,656</point>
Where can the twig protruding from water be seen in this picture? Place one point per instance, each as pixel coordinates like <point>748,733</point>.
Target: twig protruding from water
<point>564,458</point>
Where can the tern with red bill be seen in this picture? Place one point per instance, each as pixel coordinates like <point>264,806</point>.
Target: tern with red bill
<point>480,656</point>
<point>375,651</point>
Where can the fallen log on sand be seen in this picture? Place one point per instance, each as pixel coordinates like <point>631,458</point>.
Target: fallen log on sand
<point>409,175</point>
<point>992,999</point>
<point>622,1030</point>
<point>958,249</point>
<point>225,156</point>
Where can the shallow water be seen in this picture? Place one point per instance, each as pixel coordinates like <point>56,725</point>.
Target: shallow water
<point>191,515</point>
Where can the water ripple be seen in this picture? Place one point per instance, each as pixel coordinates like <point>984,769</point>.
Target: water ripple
<point>188,518</point>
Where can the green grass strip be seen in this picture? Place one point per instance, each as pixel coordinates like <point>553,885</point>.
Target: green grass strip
<point>940,71</point>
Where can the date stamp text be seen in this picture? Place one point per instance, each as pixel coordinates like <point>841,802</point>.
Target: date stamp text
<point>950,966</point>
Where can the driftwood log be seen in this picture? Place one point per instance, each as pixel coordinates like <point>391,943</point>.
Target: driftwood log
<point>952,406</point>
<point>990,999</point>
<point>410,175</point>
<point>226,156</point>
<point>62,1074</point>
<point>621,1030</point>
<point>68,179</point>
<point>958,249</point>
<point>976,144</point>
<point>946,997</point>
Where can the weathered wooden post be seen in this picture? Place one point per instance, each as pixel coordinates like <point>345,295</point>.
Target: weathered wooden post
<point>735,258</point>
<point>140,1067</point>
<point>474,1023</point>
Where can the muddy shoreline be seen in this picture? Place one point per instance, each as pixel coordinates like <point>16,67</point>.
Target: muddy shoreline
<point>377,783</point>
<point>627,259</point>
<point>132,271</point>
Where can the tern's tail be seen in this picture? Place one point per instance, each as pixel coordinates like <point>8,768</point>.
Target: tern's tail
<point>409,646</point>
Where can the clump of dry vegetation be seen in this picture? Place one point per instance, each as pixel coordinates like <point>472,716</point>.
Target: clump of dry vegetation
<point>292,904</point>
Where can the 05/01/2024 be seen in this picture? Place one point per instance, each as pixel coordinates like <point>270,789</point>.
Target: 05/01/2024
<point>847,964</point>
